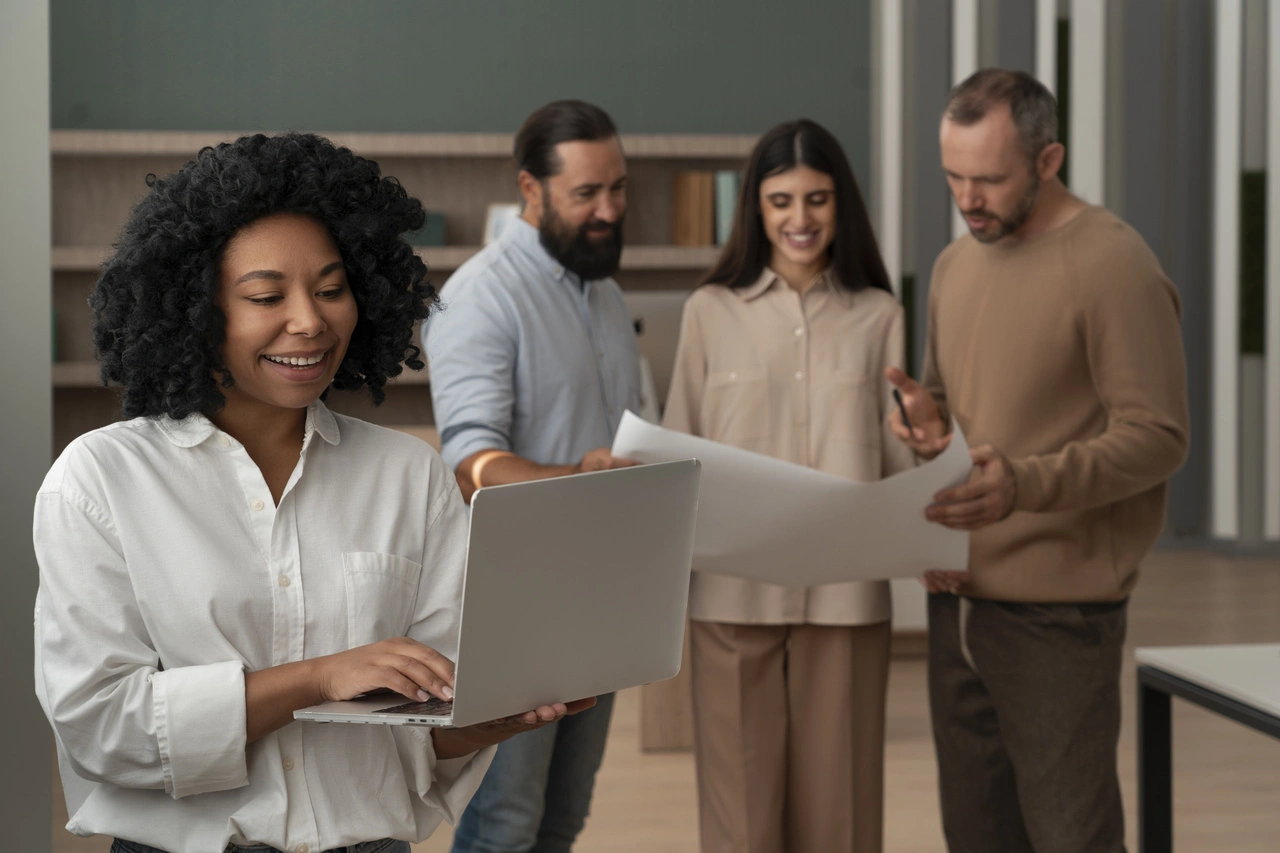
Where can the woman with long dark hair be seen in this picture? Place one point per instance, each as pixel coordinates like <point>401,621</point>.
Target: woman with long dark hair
<point>781,352</point>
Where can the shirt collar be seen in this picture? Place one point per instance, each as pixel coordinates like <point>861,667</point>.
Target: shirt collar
<point>825,280</point>
<point>322,422</point>
<point>196,429</point>
<point>188,432</point>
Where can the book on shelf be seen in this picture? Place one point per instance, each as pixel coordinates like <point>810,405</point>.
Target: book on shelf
<point>728,182</point>
<point>432,232</point>
<point>693,208</point>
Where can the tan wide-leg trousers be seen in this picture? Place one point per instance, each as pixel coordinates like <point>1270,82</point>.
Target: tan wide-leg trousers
<point>788,725</point>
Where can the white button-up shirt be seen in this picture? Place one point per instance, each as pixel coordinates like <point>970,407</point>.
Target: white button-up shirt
<point>167,572</point>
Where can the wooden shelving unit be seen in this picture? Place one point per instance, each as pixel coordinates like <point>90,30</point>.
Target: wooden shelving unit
<point>99,175</point>
<point>76,374</point>
<point>643,258</point>
<point>181,143</point>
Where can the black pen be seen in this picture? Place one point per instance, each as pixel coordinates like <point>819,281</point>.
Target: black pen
<point>906,421</point>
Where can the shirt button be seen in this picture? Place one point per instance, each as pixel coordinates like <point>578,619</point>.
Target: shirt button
<point>284,580</point>
<point>799,331</point>
<point>288,764</point>
<point>302,848</point>
<point>799,375</point>
<point>733,377</point>
<point>224,441</point>
<point>257,505</point>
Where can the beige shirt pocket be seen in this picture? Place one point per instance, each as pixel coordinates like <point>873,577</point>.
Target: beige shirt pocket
<point>381,590</point>
<point>853,410</point>
<point>847,418</point>
<point>735,406</point>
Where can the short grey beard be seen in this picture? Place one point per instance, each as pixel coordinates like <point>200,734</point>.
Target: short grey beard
<point>1014,222</point>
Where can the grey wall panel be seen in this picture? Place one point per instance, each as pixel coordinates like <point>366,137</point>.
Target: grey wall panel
<point>1187,258</point>
<point>931,202</point>
<point>1016,35</point>
<point>715,66</point>
<point>26,425</point>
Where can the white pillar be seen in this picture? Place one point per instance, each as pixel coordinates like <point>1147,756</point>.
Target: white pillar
<point>1225,349</point>
<point>1271,461</point>
<point>889,173</point>
<point>1087,147</point>
<point>964,61</point>
<point>1047,43</point>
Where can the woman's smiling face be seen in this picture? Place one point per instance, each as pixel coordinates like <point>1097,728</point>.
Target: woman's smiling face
<point>798,208</point>
<point>289,311</point>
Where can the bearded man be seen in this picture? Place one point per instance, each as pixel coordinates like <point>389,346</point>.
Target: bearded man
<point>533,361</point>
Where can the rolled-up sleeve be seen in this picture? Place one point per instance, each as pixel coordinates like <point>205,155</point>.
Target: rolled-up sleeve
<point>471,347</point>
<point>443,788</point>
<point>120,717</point>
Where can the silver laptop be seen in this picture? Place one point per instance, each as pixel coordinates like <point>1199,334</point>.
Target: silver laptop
<point>575,587</point>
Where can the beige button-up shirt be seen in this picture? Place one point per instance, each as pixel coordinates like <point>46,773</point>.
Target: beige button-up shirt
<point>798,377</point>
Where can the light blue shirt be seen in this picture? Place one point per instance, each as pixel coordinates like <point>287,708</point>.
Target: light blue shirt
<point>525,357</point>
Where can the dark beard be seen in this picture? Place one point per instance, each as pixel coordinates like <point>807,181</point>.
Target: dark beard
<point>577,252</point>
<point>1008,226</point>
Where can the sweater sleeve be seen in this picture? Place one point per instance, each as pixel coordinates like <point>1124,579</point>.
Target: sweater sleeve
<point>1129,316</point>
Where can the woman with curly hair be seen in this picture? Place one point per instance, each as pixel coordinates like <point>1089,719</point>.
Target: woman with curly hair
<point>236,551</point>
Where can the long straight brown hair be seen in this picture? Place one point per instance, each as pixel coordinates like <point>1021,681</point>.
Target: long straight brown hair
<point>855,255</point>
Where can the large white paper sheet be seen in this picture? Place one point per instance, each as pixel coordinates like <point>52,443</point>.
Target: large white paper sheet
<point>764,519</point>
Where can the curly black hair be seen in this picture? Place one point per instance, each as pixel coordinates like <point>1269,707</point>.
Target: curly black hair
<point>157,329</point>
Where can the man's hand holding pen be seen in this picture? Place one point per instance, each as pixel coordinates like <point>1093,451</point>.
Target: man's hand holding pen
<point>987,497</point>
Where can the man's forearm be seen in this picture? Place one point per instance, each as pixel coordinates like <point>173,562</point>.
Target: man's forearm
<point>498,468</point>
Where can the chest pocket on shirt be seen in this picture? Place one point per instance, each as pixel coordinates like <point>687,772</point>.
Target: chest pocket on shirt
<point>854,410</point>
<point>381,590</point>
<point>735,406</point>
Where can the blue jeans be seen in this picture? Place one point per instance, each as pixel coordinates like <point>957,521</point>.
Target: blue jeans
<point>382,845</point>
<point>537,793</point>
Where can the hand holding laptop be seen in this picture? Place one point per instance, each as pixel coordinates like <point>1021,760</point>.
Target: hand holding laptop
<point>453,743</point>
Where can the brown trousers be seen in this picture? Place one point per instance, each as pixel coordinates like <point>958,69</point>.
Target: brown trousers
<point>1026,716</point>
<point>788,724</point>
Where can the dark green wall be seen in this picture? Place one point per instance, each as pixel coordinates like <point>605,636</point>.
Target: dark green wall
<point>697,66</point>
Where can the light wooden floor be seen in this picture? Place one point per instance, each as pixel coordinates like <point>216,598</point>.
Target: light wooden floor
<point>1227,778</point>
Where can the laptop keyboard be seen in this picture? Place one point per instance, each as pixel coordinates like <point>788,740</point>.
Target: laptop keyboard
<point>434,707</point>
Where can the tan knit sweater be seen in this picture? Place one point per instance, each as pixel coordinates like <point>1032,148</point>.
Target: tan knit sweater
<point>1064,352</point>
